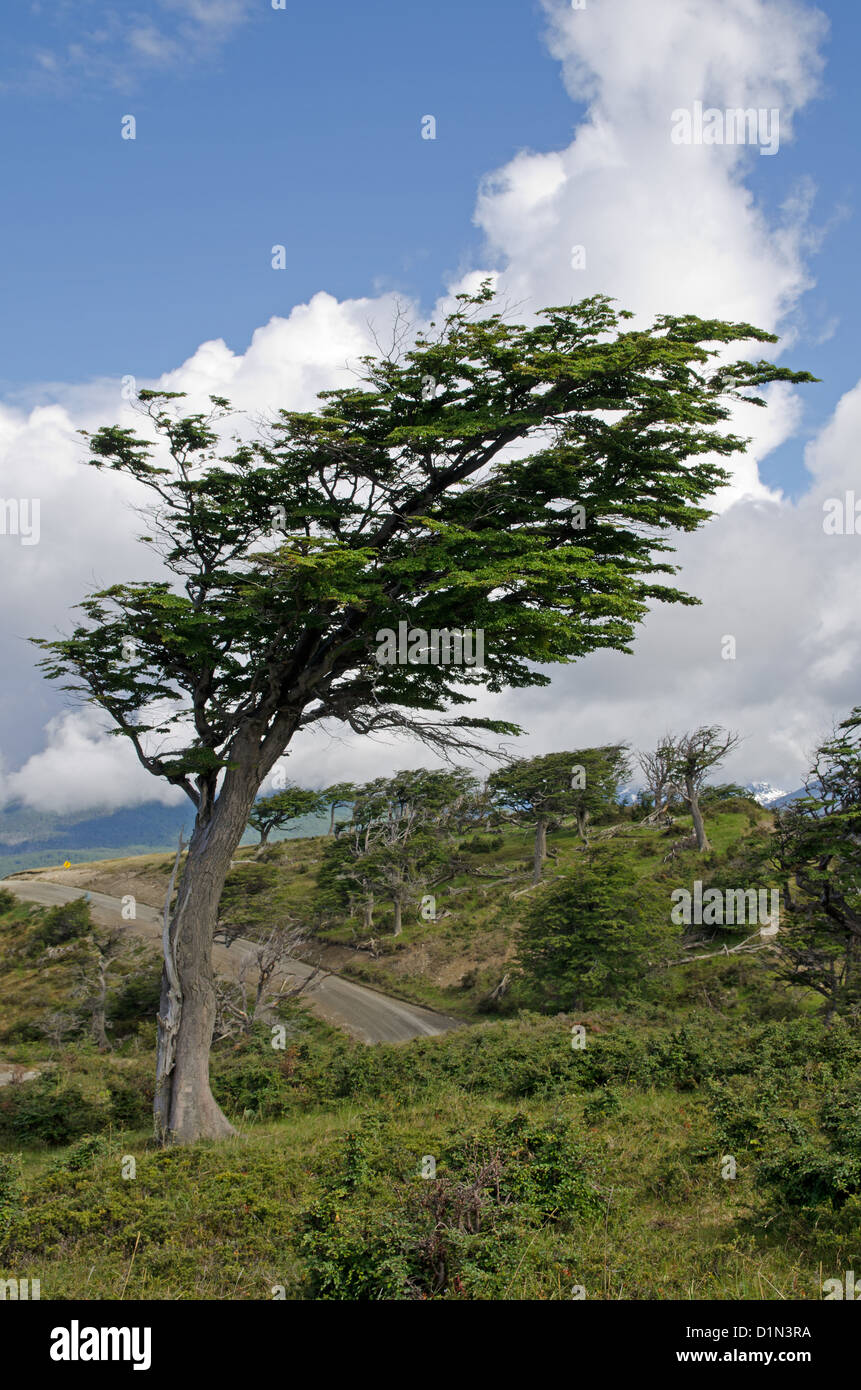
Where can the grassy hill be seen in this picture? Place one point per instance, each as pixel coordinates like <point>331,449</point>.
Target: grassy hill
<point>557,1168</point>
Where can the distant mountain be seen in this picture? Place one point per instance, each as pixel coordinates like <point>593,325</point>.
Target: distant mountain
<point>773,797</point>
<point>766,793</point>
<point>29,839</point>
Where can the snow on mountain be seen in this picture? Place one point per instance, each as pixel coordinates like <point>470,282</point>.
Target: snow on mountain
<point>766,793</point>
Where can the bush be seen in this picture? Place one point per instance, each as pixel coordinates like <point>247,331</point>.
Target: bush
<point>8,901</point>
<point>40,1112</point>
<point>589,936</point>
<point>66,922</point>
<point>10,1188</point>
<point>131,1103</point>
<point>480,844</point>
<point>457,1233</point>
<point>137,1000</point>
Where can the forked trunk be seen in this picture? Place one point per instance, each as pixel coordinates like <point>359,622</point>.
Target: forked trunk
<point>703,844</point>
<point>185,1109</point>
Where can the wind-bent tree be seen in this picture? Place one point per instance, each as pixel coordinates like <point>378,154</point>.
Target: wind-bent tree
<point>540,791</point>
<point>816,849</point>
<point>398,499</point>
<point>597,773</point>
<point>280,808</point>
<point>692,756</point>
<point>656,767</point>
<point>401,838</point>
<point>339,794</point>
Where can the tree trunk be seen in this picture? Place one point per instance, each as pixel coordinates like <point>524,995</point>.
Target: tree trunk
<point>540,853</point>
<point>398,906</point>
<point>582,822</point>
<point>368,912</point>
<point>185,1109</point>
<point>703,844</point>
<point>99,1034</point>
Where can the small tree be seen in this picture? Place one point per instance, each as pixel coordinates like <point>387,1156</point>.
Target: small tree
<point>656,767</point>
<point>401,836</point>
<point>339,794</point>
<point>691,757</point>
<point>540,791</point>
<point>816,849</point>
<point>590,936</point>
<point>260,970</point>
<point>596,774</point>
<point>105,950</point>
<point>278,810</point>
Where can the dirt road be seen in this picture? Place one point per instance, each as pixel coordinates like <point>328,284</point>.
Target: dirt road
<point>365,1013</point>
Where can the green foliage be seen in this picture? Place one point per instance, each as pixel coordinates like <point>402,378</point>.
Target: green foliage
<point>137,998</point>
<point>816,852</point>
<point>64,923</point>
<point>43,1112</point>
<point>276,811</point>
<point>452,1235</point>
<point>8,901</point>
<point>10,1188</point>
<point>592,935</point>
<point>131,1103</point>
<point>247,632</point>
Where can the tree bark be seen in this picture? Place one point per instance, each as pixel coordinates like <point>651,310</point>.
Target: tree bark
<point>703,843</point>
<point>540,853</point>
<point>398,906</point>
<point>99,1034</point>
<point>582,822</point>
<point>185,1108</point>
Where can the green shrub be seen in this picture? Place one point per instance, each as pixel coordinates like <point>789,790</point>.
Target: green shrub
<point>41,1112</point>
<point>10,1188</point>
<point>601,1105</point>
<point>589,937</point>
<point>131,1102</point>
<point>66,922</point>
<point>138,999</point>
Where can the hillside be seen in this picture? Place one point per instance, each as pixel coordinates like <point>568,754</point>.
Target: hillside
<point>558,1167</point>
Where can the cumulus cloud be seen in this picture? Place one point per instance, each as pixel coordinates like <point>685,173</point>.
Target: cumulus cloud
<point>82,766</point>
<point>665,228</point>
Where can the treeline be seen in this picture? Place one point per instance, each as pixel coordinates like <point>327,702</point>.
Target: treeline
<point>594,928</point>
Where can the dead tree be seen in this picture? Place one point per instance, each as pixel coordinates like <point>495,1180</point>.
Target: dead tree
<point>259,970</point>
<point>692,756</point>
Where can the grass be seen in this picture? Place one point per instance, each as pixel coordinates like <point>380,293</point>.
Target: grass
<point>557,1169</point>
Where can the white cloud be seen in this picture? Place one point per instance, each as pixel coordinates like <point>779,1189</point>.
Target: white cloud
<point>666,229</point>
<point>82,766</point>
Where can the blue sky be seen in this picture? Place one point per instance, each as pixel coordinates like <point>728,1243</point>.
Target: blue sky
<point>302,127</point>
